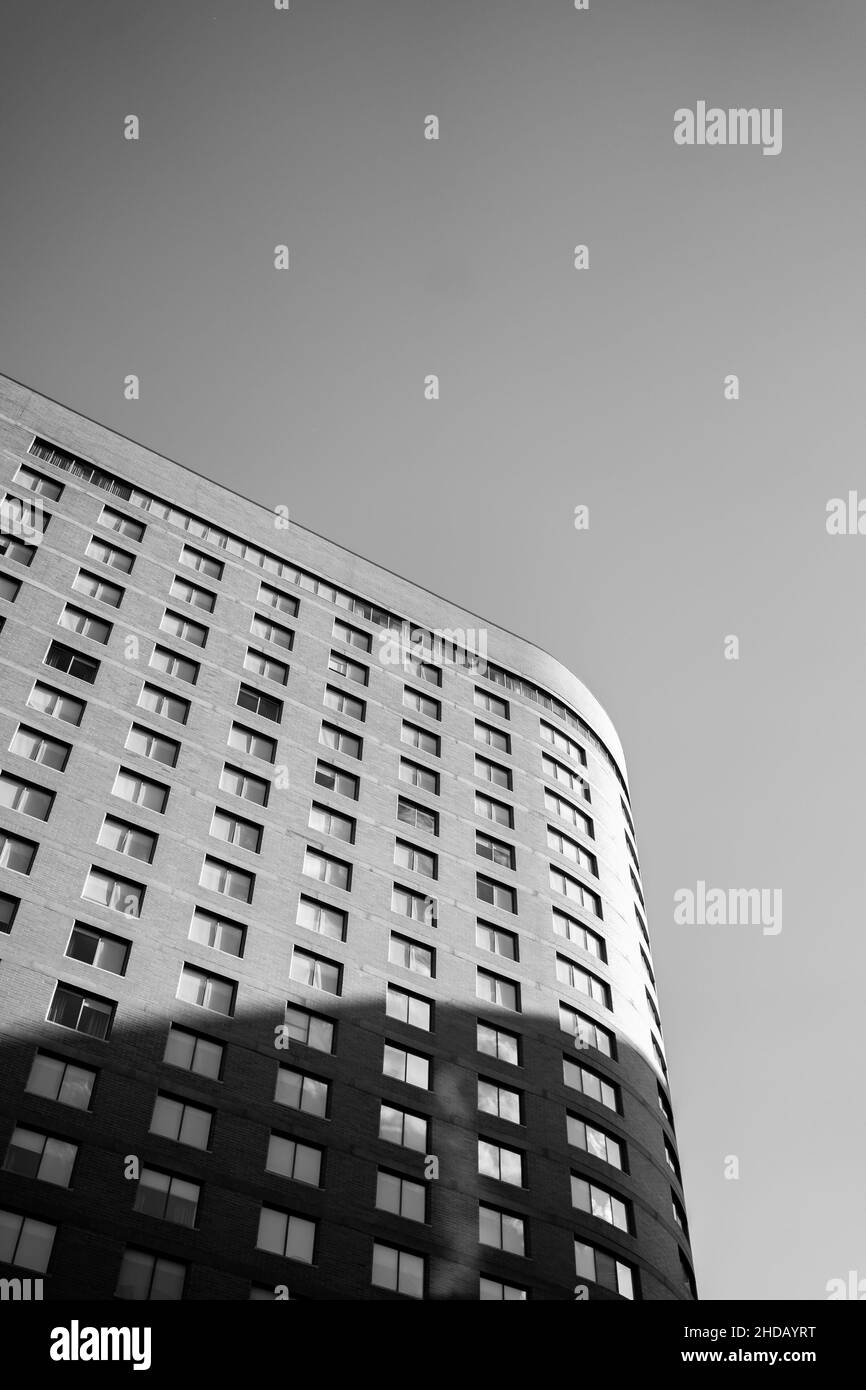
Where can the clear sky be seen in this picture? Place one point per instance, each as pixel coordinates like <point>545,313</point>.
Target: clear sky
<point>559,387</point>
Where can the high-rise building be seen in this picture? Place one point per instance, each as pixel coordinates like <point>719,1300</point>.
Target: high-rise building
<point>324,965</point>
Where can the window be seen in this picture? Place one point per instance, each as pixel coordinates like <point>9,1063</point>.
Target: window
<point>334,779</point>
<point>564,883</point>
<point>403,1065</point>
<point>353,636</point>
<point>649,970</point>
<point>496,894</point>
<point>319,917</point>
<point>127,839</point>
<point>491,703</point>
<point>497,990</point>
<point>275,598</point>
<point>589,1083</point>
<point>679,1214</point>
<point>36,482</point>
<point>503,1164</point>
<point>311,1029</point>
<point>193,1052</point>
<point>248,741</point>
<point>490,1289</point>
<point>340,740</point>
<point>37,1155</point>
<point>167,1197</point>
<point>98,948</point>
<point>342,703</point>
<point>420,777</point>
<point>585,1030</point>
<point>501,1230</point>
<point>76,620</point>
<point>75,664</point>
<point>411,955</point>
<point>263,705</point>
<point>140,791</point>
<point>9,588</point>
<point>326,869</point>
<point>8,909</point>
<point>56,704</point>
<point>493,738</point>
<point>293,1237</point>
<point>499,1100</point>
<point>653,1010</point>
<point>401,1196</point>
<point>496,811</point>
<point>110,555</point>
<point>604,1269</point>
<point>202,564</point>
<point>218,933</point>
<point>186,592</point>
<point>409,1008</point>
<point>66,1082</point>
<point>420,739</point>
<point>665,1107</point>
<point>291,1159</point>
<point>420,861</point>
<point>220,877</point>
<point>417,906</point>
<point>268,631</point>
<point>557,772</point>
<point>181,667</point>
<point>422,670</point>
<point>316,971</point>
<point>418,817</point>
<point>558,806</point>
<point>502,943</point>
<point>182,1122</point>
<point>40,748</point>
<point>301,1092</point>
<point>495,850</point>
<point>659,1056</point>
<point>597,1201</point>
<point>176,625</point>
<point>244,784</point>
<point>25,1241</point>
<point>688,1276</point>
<point>492,772</point>
<point>671,1157</point>
<point>16,854</point>
<point>123,525</point>
<point>93,587</point>
<point>398,1270</point>
<point>568,973</point>
<point>149,1277</point>
<point>636,886</point>
<point>16,550</point>
<point>150,745</point>
<point>498,1042</point>
<point>570,849</point>
<point>574,931</point>
<point>207,991</point>
<point>85,1013</point>
<point>594,1141</point>
<point>344,666</point>
<point>235,830</point>
<point>562,742</point>
<point>404,1127</point>
<point>25,797</point>
<point>421,703</point>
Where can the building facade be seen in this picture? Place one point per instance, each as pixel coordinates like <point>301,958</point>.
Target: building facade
<point>324,965</point>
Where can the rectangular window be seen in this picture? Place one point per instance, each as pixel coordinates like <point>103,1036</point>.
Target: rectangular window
<point>68,1083</point>
<point>56,704</point>
<point>503,1164</point>
<point>422,670</point>
<point>224,878</point>
<point>587,1032</point>
<point>299,1091</point>
<point>8,908</point>
<point>176,625</point>
<point>353,636</point>
<point>501,1230</point>
<point>418,817</point>
<point>572,930</point>
<point>497,851</point>
<point>119,894</point>
<point>84,1013</point>
<point>166,1197</point>
<point>492,738</point>
<point>98,948</point>
<point>417,906</point>
<point>110,555</point>
<point>340,740</point>
<point>404,1127</point>
<point>140,791</point>
<point>493,810</point>
<point>193,1052</point>
<point>12,549</point>
<point>207,991</point>
<point>491,703</point>
<point>248,787</point>
<point>487,771</point>
<point>275,598</point>
<point>558,806</point>
<point>268,631</point>
<point>38,483</point>
<point>9,588</point>
<point>490,1290</point>
<point>235,830</point>
<point>316,971</point>
<point>665,1107</point>
<point>326,869</point>
<point>93,587</point>
<point>653,1010</point>
<point>85,624</point>
<point>294,1160</point>
<point>671,1157</point>
<point>218,933</point>
<point>245,740</point>
<point>499,1043</point>
<point>562,775</point>
<point>497,990</point>
<point>398,1270</point>
<point>562,742</point>
<point>292,1237</point>
<point>40,748</point>
<point>594,1141</point>
<point>150,745</point>
<point>36,1155</point>
<point>496,894</point>
<point>160,702</point>
<point>128,839</point>
<point>25,1241</point>
<point>334,779</point>
<point>604,1269</point>
<point>419,738</point>
<point>596,1201</point>
<point>499,1100</point>
<point>193,594</point>
<point>401,1196</point>
<point>576,892</point>
<point>571,974</point>
<point>16,854</point>
<point>420,777</point>
<point>411,955</point>
<point>320,917</point>
<point>659,1056</point>
<point>201,563</point>
<point>171,664</point>
<point>571,850</point>
<point>263,705</point>
<point>179,1120</point>
<point>308,1028</point>
<point>25,797</point>
<point>342,703</point>
<point>123,525</point>
<point>420,861</point>
<point>502,943</point>
<point>344,666</point>
<point>73,663</point>
<point>146,1277</point>
<point>422,704</point>
<point>589,1083</point>
<point>403,1065</point>
<point>409,1008</point>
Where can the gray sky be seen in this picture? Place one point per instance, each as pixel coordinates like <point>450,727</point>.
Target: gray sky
<point>558,387</point>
